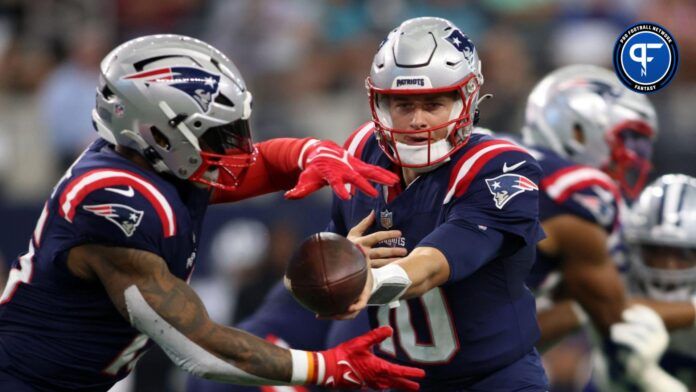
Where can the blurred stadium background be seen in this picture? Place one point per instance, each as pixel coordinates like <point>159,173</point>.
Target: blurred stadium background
<point>305,62</point>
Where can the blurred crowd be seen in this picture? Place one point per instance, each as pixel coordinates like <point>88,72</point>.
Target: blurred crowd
<point>305,62</point>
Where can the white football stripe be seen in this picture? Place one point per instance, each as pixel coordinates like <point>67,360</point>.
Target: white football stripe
<point>359,136</point>
<point>469,163</point>
<point>102,175</point>
<point>567,180</point>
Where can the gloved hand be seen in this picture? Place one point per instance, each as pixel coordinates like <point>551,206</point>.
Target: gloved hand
<point>328,163</point>
<point>352,365</point>
<point>645,337</point>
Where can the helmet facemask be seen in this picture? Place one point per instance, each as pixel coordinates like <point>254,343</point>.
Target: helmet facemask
<point>228,148</point>
<point>630,143</point>
<point>427,153</point>
<point>666,273</point>
<point>424,56</point>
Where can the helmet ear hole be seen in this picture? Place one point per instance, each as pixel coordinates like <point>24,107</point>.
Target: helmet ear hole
<point>223,100</point>
<point>578,134</point>
<point>107,93</point>
<point>160,138</point>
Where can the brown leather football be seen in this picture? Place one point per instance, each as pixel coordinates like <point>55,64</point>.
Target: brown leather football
<point>327,273</point>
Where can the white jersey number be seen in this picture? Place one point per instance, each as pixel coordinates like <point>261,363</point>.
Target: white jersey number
<point>443,337</point>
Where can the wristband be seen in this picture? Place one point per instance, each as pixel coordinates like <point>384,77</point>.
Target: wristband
<point>389,284</point>
<point>308,367</point>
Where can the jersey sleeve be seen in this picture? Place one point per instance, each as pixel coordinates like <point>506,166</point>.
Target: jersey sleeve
<point>581,191</point>
<point>466,247</point>
<point>494,210</point>
<point>120,210</point>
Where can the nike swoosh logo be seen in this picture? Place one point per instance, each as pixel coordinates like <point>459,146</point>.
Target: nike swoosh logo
<point>348,374</point>
<point>507,168</point>
<point>129,192</point>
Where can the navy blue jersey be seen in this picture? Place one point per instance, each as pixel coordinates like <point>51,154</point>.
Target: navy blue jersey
<point>483,318</point>
<point>571,189</point>
<point>58,332</point>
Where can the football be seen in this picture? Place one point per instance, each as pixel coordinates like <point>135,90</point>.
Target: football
<point>327,273</point>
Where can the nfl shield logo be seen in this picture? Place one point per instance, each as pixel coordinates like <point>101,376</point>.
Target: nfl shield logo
<point>386,219</point>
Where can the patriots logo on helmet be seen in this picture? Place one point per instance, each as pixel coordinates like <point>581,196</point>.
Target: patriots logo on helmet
<point>606,90</point>
<point>462,43</point>
<point>126,218</point>
<point>506,186</point>
<point>200,85</point>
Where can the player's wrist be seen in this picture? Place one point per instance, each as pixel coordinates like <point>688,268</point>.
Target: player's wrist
<point>308,367</point>
<point>389,283</point>
<point>307,148</point>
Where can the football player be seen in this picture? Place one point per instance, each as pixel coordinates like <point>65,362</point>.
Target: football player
<point>467,212</point>
<point>660,232</point>
<point>589,134</point>
<point>107,265</point>
<point>593,139</point>
<point>467,208</point>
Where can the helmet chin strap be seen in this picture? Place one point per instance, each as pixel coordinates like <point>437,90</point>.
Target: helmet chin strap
<point>418,155</point>
<point>152,157</point>
<point>209,175</point>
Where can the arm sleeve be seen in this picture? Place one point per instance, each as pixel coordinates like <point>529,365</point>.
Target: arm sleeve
<point>466,247</point>
<point>277,167</point>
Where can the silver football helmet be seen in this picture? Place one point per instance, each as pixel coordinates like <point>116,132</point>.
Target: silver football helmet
<point>661,232</point>
<point>180,103</point>
<point>585,114</point>
<point>424,56</point>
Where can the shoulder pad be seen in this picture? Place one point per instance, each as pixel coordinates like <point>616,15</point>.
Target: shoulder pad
<point>584,191</point>
<point>505,157</point>
<point>116,188</point>
<point>357,140</point>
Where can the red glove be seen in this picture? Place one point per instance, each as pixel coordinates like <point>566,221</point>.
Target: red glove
<point>352,365</point>
<point>327,162</point>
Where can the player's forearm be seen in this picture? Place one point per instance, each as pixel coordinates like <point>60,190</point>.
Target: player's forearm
<point>277,167</point>
<point>167,310</point>
<point>284,158</point>
<point>675,315</point>
<point>178,305</point>
<point>600,292</point>
<point>427,268</point>
<point>250,353</point>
